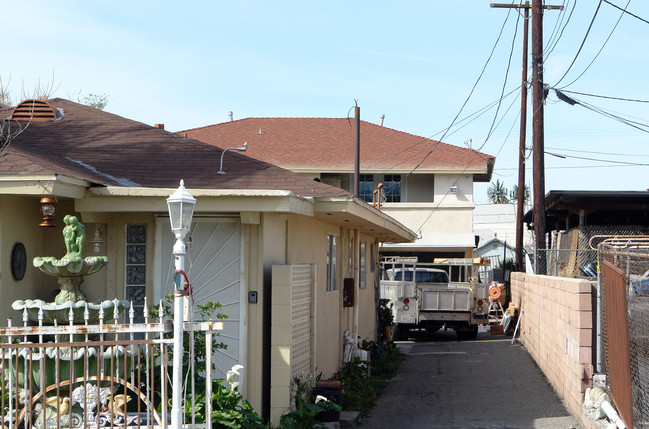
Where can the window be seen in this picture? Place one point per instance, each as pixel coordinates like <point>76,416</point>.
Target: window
<point>366,187</point>
<point>392,188</point>
<point>332,263</point>
<point>372,258</point>
<point>135,269</point>
<point>352,257</point>
<point>363,265</point>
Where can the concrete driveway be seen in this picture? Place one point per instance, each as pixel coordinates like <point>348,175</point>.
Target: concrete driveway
<point>485,383</point>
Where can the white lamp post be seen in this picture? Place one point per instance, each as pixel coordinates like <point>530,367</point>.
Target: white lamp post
<point>181,208</point>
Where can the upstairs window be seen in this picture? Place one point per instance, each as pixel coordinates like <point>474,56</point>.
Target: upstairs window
<point>392,188</point>
<point>366,187</point>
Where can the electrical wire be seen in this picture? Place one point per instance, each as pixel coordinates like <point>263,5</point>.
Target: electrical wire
<point>556,42</point>
<point>557,24</point>
<point>605,96</point>
<point>610,161</point>
<point>600,49</point>
<point>502,91</point>
<point>596,153</point>
<point>484,68</point>
<point>576,166</point>
<point>634,124</point>
<point>465,121</point>
<point>583,42</point>
<point>626,11</point>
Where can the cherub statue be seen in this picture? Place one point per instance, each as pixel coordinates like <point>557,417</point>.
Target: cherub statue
<point>74,235</point>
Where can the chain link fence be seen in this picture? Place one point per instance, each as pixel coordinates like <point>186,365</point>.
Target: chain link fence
<point>635,264</point>
<point>571,263</point>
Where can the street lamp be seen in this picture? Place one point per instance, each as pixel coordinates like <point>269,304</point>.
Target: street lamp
<point>181,208</point>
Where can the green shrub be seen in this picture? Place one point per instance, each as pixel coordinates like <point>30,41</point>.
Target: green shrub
<point>364,382</point>
<point>304,417</point>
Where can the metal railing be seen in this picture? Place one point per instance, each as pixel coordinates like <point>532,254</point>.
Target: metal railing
<point>102,375</point>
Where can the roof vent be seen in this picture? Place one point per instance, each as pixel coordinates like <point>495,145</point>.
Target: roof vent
<point>34,111</point>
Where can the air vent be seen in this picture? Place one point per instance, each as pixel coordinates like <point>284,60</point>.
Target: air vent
<point>34,111</point>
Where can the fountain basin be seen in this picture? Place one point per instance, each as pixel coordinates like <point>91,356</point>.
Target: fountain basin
<point>70,267</point>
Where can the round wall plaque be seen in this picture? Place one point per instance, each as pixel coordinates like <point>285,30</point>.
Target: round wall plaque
<point>18,261</point>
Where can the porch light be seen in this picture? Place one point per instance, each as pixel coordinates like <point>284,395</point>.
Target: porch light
<point>181,209</point>
<point>48,209</point>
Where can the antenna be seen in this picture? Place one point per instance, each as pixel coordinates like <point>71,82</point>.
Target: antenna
<point>242,149</point>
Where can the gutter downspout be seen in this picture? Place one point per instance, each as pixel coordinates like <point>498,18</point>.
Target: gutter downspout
<point>357,282</point>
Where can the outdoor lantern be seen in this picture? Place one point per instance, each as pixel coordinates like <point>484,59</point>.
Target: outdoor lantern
<point>181,208</point>
<point>48,210</point>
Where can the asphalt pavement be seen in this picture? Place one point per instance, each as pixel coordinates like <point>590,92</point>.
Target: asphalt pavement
<point>483,383</point>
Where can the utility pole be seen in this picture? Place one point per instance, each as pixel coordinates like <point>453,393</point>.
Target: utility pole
<point>357,157</point>
<point>539,175</point>
<point>521,148</point>
<point>538,138</point>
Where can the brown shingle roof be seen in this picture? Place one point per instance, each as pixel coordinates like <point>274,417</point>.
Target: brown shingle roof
<point>327,144</point>
<point>107,149</point>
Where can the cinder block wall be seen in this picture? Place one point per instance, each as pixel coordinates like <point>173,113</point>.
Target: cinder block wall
<point>556,327</point>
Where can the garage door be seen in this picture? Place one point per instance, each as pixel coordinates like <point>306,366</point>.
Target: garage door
<point>213,266</point>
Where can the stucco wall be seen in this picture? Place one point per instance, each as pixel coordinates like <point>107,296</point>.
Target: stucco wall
<point>433,219</point>
<point>307,240</point>
<point>556,327</point>
<point>443,183</point>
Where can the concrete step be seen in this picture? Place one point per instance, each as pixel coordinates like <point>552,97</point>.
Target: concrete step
<point>349,419</point>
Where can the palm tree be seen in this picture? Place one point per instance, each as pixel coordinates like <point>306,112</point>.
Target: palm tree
<point>513,194</point>
<point>497,193</point>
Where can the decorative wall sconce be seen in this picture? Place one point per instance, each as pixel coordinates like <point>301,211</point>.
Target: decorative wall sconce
<point>96,239</point>
<point>48,210</point>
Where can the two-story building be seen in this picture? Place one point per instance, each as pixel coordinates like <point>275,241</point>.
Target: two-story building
<point>427,184</point>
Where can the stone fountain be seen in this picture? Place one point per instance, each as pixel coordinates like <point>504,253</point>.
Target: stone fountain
<point>56,366</point>
<point>70,271</point>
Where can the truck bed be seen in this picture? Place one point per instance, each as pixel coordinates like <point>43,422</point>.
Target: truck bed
<point>447,297</point>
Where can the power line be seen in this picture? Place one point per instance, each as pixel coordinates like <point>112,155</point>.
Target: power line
<point>598,160</point>
<point>635,124</point>
<point>600,49</point>
<point>576,166</point>
<point>583,42</point>
<point>605,96</point>
<point>556,42</point>
<point>502,91</point>
<point>596,153</point>
<point>484,68</point>
<point>626,11</point>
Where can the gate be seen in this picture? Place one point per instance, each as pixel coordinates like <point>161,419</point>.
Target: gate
<point>617,363</point>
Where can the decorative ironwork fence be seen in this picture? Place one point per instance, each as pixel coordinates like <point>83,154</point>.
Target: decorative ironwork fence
<point>95,375</point>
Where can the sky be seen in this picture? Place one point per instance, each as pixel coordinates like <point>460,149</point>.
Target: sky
<point>426,65</point>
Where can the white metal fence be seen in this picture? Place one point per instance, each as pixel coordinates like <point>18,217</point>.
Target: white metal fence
<point>108,374</point>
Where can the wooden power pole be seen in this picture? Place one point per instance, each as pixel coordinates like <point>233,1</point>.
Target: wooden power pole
<point>523,130</point>
<point>357,151</point>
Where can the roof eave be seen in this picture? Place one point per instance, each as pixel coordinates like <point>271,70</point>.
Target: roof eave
<point>354,213</point>
<point>43,184</point>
